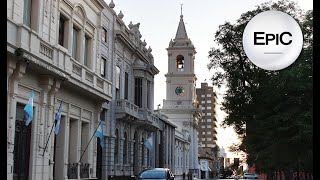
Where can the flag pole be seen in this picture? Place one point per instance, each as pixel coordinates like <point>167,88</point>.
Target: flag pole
<point>48,138</point>
<point>89,142</point>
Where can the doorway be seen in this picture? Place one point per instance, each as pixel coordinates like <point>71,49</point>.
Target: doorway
<point>22,139</point>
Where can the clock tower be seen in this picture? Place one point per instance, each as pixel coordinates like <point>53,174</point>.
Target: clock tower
<point>180,104</point>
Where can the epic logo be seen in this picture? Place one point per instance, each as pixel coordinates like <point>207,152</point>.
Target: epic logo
<point>272,40</point>
<point>271,37</point>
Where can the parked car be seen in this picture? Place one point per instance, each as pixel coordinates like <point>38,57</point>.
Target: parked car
<point>156,174</point>
<point>250,176</point>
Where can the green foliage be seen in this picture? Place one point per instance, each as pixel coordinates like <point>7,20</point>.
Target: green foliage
<point>270,110</point>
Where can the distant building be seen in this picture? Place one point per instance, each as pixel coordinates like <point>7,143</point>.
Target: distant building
<point>209,164</point>
<point>207,100</point>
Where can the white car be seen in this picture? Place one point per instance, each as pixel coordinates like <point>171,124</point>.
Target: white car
<point>250,176</point>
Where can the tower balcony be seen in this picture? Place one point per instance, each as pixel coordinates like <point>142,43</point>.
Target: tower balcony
<point>180,104</point>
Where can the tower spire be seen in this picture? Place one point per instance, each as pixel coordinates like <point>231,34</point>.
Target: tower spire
<point>181,31</point>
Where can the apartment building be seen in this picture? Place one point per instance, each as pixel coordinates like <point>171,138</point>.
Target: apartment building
<point>207,100</point>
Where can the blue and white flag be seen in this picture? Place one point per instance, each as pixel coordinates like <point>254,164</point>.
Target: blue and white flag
<point>99,133</point>
<point>29,109</point>
<point>149,142</point>
<point>57,118</point>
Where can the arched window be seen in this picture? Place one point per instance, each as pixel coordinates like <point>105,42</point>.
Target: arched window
<point>180,62</point>
<point>125,149</point>
<point>116,147</point>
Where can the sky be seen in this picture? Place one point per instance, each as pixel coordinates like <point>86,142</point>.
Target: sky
<point>158,24</point>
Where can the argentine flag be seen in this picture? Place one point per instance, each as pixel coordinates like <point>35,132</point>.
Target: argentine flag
<point>29,109</point>
<point>149,142</point>
<point>57,118</point>
<point>99,133</point>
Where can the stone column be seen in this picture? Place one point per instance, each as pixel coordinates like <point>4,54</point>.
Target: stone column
<point>81,48</point>
<point>152,95</point>
<point>51,101</point>
<point>92,149</point>
<point>78,153</point>
<point>131,154</point>
<point>167,146</point>
<point>70,35</point>
<point>173,150</point>
<point>156,152</point>
<point>94,57</point>
<point>13,82</point>
<point>45,82</point>
<point>144,93</point>
<point>121,153</point>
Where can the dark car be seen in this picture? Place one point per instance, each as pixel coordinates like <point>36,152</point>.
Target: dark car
<point>156,174</point>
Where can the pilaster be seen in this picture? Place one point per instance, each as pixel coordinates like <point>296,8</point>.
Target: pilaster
<point>46,82</point>
<point>13,92</point>
<point>50,120</point>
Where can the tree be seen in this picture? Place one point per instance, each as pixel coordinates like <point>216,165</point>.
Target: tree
<point>271,111</point>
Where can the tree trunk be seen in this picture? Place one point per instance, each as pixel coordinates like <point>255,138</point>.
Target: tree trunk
<point>287,174</point>
<point>306,175</point>
<point>269,175</point>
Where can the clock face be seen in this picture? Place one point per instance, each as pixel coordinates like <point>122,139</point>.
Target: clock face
<point>179,91</point>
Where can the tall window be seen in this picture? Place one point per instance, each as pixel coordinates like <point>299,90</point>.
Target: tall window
<point>75,43</point>
<point>103,67</point>
<point>116,147</point>
<point>125,149</point>
<point>104,35</point>
<point>86,57</point>
<point>138,92</point>
<point>126,85</point>
<point>61,29</point>
<point>117,82</point>
<point>27,12</point>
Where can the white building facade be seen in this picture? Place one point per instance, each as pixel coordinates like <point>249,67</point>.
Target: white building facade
<point>52,48</point>
<point>82,55</point>
<point>180,104</point>
<point>131,117</point>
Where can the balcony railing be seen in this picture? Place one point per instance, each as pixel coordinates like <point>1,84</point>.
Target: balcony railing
<point>72,171</point>
<point>123,107</point>
<point>84,170</point>
<point>182,104</point>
